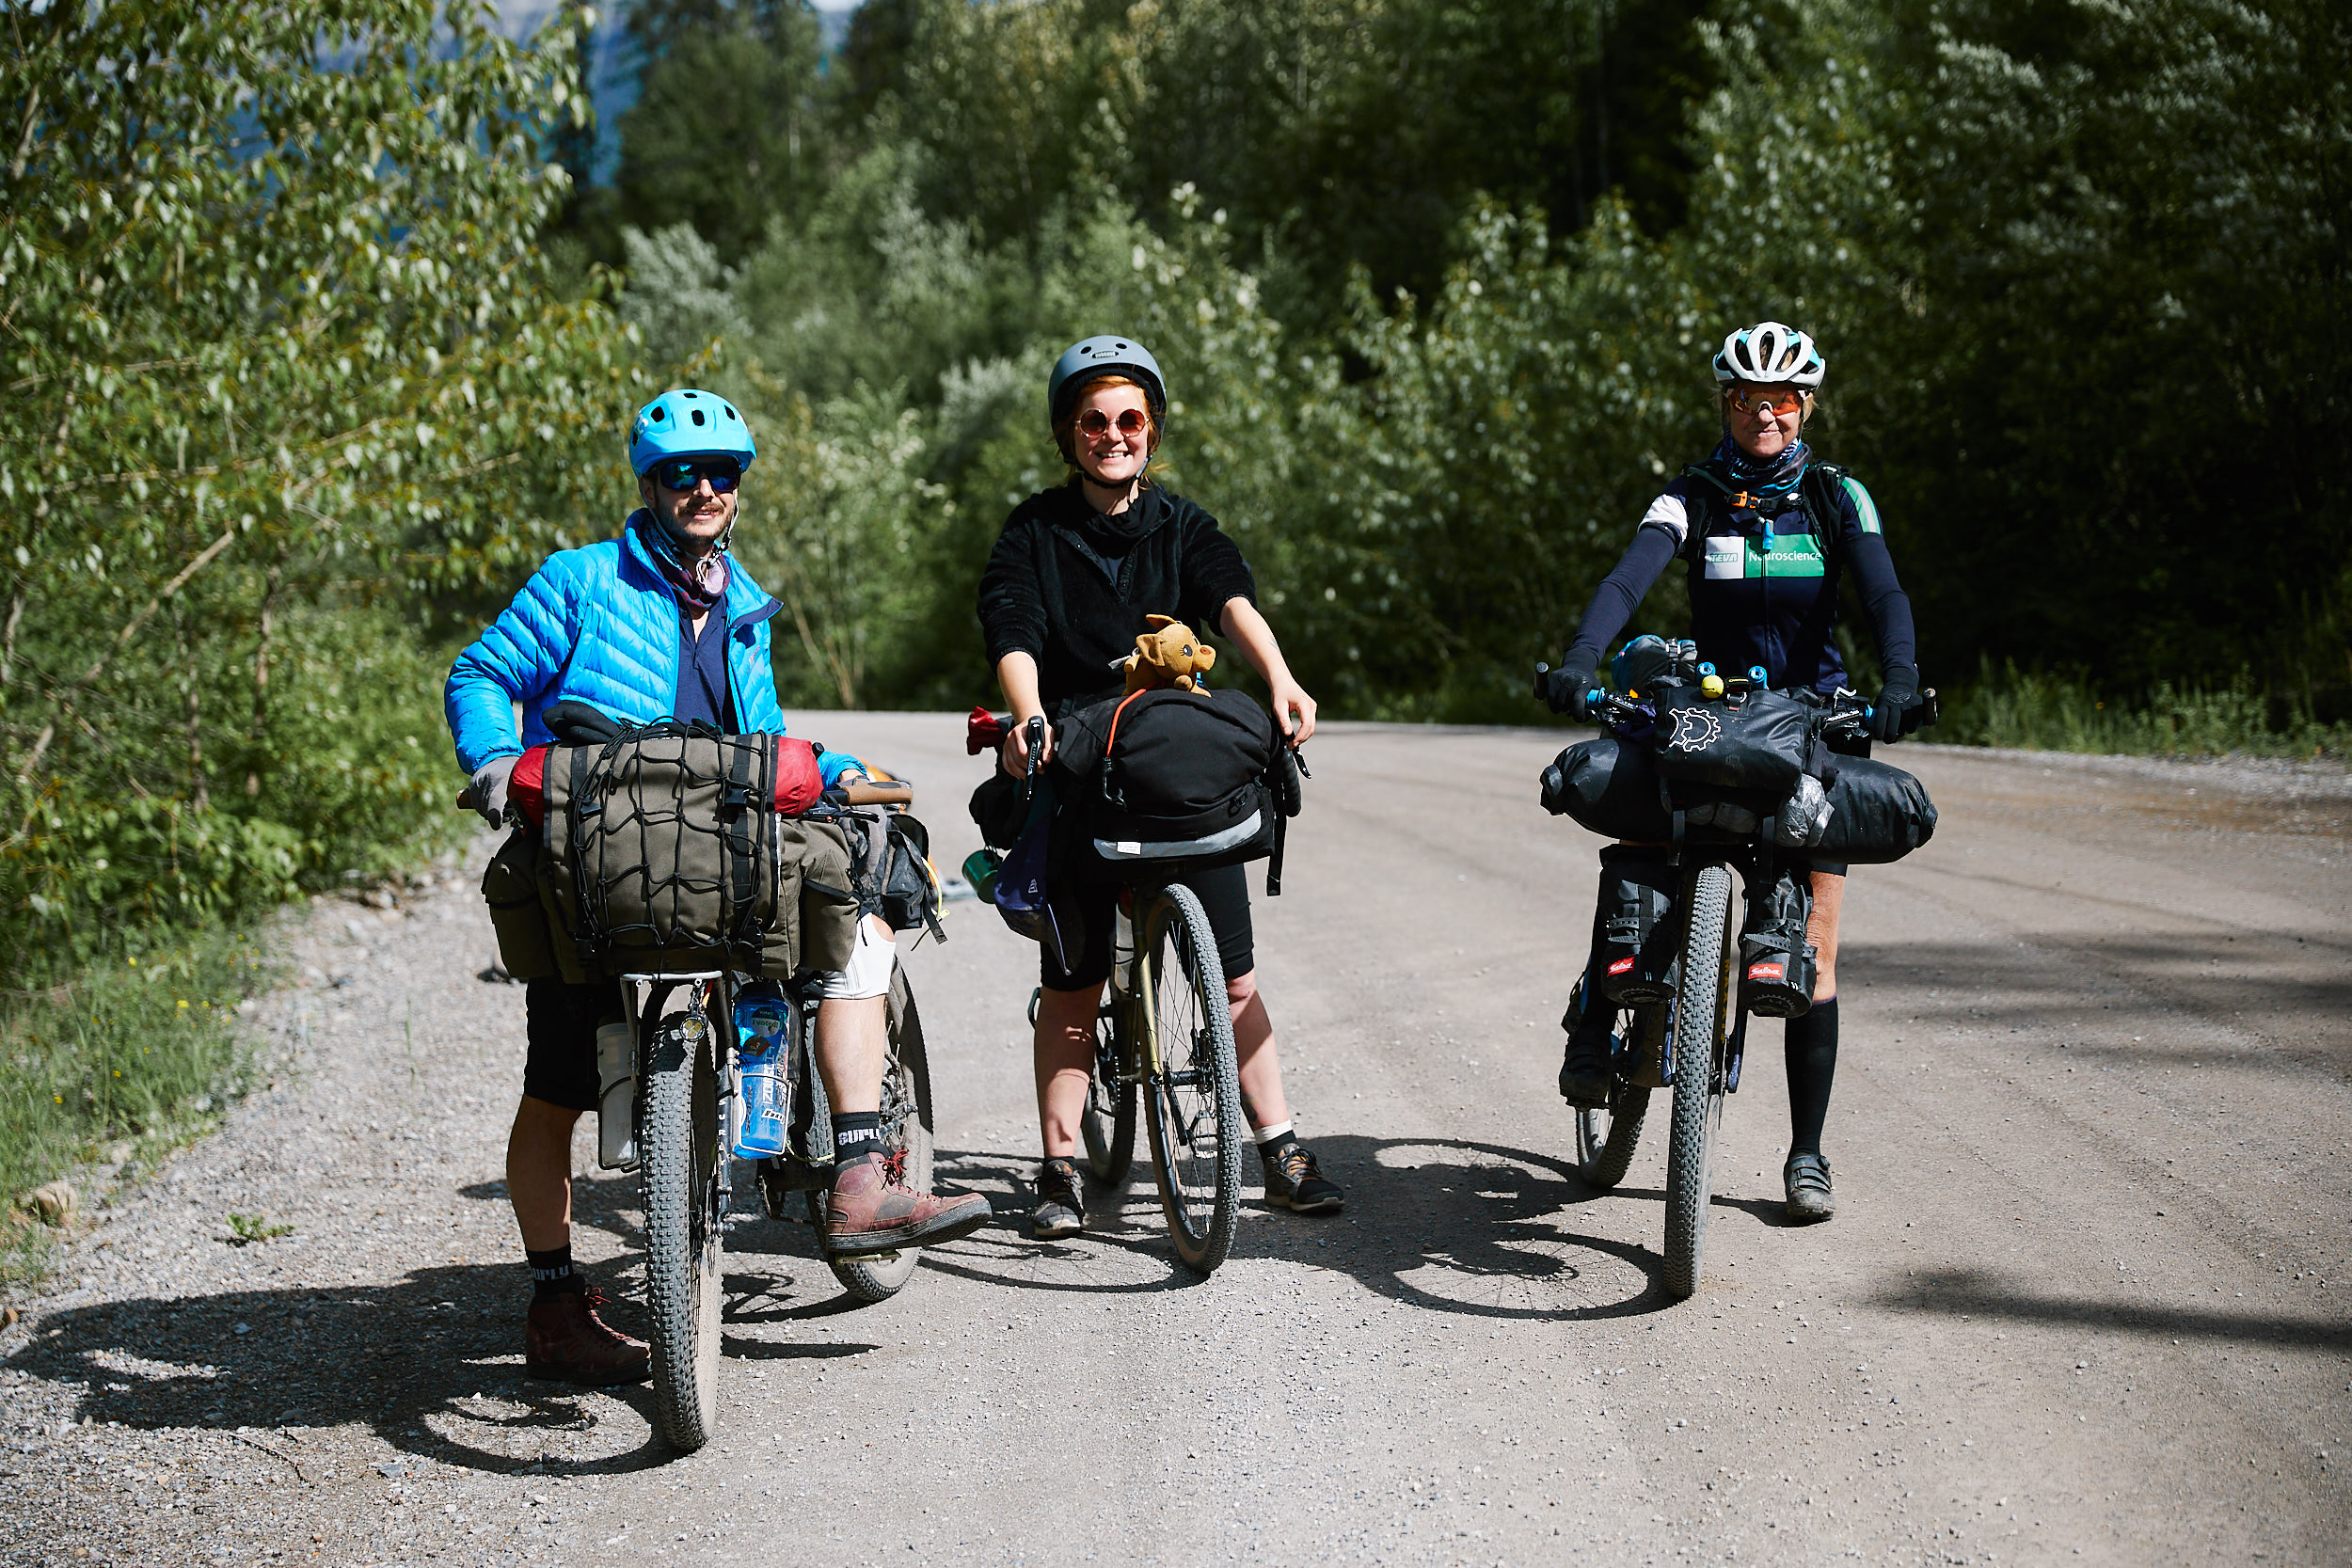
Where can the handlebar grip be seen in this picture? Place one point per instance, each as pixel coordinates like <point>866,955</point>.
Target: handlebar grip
<point>867,793</point>
<point>1541,670</point>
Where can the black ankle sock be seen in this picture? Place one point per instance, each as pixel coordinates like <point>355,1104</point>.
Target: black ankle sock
<point>1269,1148</point>
<point>856,1135</point>
<point>1811,1047</point>
<point>552,1272</point>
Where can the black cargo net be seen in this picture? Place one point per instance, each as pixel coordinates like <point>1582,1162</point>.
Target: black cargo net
<point>673,849</point>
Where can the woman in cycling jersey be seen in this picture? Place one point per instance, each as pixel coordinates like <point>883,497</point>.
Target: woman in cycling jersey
<point>1765,557</point>
<point>1067,585</point>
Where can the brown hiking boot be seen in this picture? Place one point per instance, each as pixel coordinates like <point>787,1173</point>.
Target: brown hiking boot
<point>565,1341</point>
<point>870,1213</point>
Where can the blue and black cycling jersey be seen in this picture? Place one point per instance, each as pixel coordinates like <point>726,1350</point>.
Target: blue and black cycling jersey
<point>1763,582</point>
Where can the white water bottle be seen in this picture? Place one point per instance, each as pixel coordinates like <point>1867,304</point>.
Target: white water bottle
<point>616,1096</point>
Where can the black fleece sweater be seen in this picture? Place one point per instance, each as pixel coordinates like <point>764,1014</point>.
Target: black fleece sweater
<point>1049,592</point>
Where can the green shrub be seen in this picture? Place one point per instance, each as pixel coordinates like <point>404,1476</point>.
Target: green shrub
<point>2034,710</point>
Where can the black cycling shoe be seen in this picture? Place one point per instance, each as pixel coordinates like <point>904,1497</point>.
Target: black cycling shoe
<point>1294,1182</point>
<point>1062,1204</point>
<point>1806,1178</point>
<point>1584,1072</point>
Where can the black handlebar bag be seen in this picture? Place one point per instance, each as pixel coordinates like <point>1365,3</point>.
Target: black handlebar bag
<point>1752,740</point>
<point>1170,775</point>
<point>672,849</point>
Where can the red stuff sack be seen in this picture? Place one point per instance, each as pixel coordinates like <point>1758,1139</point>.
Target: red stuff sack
<point>527,786</point>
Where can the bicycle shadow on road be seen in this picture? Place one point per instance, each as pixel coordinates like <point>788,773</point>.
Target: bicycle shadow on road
<point>1475,1228</point>
<point>1123,1251</point>
<point>1452,1225</point>
<point>432,1363</point>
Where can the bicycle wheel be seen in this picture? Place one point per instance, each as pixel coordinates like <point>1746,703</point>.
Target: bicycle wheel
<point>1702,1009</point>
<point>684,1183</point>
<point>1605,1139</point>
<point>906,1108</point>
<point>1191,1086</point>
<point>1108,1122</point>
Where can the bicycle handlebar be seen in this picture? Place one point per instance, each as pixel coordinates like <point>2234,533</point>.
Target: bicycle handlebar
<point>1847,714</point>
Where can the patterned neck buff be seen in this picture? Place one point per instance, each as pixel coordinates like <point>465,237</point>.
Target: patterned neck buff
<point>699,585</point>
<point>1769,478</point>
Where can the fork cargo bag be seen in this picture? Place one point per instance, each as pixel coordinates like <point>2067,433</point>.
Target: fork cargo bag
<point>1877,814</point>
<point>666,851</point>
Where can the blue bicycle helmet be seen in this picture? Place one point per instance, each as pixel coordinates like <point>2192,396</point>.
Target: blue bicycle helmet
<point>1093,359</point>
<point>683,422</point>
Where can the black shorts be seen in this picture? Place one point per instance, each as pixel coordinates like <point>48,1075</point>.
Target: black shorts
<point>1224,894</point>
<point>561,1021</point>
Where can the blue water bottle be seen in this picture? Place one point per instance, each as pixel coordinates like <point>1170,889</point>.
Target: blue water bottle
<point>762,1033</point>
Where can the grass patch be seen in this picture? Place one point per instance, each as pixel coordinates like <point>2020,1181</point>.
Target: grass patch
<point>2033,711</point>
<point>244,1229</point>
<point>124,1060</point>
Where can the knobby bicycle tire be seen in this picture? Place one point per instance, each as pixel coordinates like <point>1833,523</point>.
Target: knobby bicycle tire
<point>1108,1122</point>
<point>1192,1088</point>
<point>1701,1011</point>
<point>682,1182</point>
<point>907,1136</point>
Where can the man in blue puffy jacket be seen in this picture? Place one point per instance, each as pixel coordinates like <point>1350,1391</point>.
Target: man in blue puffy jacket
<point>662,623</point>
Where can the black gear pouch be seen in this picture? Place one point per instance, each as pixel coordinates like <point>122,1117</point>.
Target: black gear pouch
<point>1638,941</point>
<point>1776,963</point>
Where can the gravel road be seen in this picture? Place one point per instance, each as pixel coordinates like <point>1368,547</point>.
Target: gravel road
<point>2085,1300</point>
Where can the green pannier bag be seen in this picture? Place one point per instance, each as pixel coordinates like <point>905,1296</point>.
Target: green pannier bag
<point>672,848</point>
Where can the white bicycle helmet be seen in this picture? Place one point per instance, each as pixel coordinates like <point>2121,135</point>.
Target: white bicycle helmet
<point>1770,354</point>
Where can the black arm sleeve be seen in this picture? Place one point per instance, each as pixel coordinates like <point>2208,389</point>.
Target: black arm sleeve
<point>1013,606</point>
<point>1883,599</point>
<point>1619,596</point>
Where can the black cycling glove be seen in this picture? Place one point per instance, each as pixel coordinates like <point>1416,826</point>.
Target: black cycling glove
<point>1564,691</point>
<point>1894,715</point>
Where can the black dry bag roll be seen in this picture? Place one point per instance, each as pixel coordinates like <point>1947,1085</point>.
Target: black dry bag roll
<point>1877,814</point>
<point>1610,787</point>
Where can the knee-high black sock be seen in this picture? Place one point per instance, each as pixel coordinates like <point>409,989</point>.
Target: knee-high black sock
<point>1811,1046</point>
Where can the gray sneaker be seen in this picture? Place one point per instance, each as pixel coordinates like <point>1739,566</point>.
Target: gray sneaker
<point>1062,1204</point>
<point>1806,1178</point>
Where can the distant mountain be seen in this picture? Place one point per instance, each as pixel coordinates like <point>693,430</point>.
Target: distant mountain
<point>614,70</point>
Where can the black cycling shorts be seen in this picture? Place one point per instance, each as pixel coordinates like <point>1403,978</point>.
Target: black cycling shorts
<point>561,1021</point>
<point>1224,894</point>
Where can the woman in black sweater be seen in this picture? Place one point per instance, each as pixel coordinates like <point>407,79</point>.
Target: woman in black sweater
<point>1072,576</point>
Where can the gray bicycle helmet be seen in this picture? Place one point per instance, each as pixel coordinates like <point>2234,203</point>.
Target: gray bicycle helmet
<point>1094,358</point>
<point>1771,354</point>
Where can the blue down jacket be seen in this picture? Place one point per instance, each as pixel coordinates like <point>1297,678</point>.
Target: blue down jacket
<point>598,625</point>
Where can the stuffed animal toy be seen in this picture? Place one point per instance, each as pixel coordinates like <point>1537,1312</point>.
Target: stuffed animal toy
<point>1168,654</point>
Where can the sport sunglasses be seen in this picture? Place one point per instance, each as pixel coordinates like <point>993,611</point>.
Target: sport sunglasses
<point>680,474</point>
<point>1095,424</point>
<point>1783,401</point>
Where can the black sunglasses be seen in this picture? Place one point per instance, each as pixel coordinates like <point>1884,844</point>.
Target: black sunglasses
<point>681,473</point>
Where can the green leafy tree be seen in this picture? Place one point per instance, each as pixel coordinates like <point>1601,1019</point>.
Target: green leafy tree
<point>723,135</point>
<point>281,371</point>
